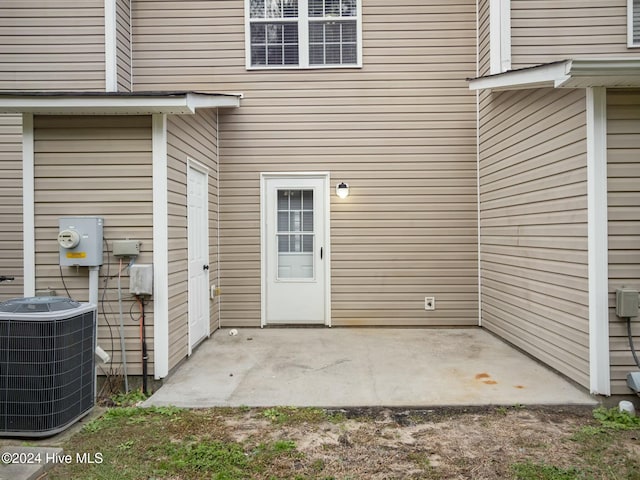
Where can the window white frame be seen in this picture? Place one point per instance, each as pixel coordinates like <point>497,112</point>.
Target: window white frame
<point>499,36</point>
<point>630,18</point>
<point>303,38</point>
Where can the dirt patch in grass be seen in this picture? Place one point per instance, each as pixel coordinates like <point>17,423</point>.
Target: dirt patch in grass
<point>487,443</point>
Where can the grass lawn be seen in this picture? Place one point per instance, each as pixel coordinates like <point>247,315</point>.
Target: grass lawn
<point>310,443</point>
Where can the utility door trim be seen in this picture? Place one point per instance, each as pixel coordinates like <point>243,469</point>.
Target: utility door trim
<point>325,264</point>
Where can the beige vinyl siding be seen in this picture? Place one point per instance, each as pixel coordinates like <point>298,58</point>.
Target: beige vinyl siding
<point>189,137</point>
<point>547,30</point>
<point>11,246</point>
<point>623,171</point>
<point>483,33</point>
<point>400,131</point>
<point>46,45</point>
<point>533,200</point>
<point>123,44</point>
<point>96,166</point>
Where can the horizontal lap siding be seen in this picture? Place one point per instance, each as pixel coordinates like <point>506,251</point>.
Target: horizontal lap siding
<point>484,57</point>
<point>48,45</point>
<point>400,131</point>
<point>123,44</point>
<point>623,171</point>
<point>96,166</point>
<point>11,246</point>
<point>193,137</point>
<point>548,30</point>
<point>534,224</point>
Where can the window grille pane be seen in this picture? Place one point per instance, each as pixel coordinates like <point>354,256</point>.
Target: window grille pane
<point>349,33</point>
<point>307,243</point>
<point>295,221</point>
<point>349,8</point>
<point>274,34</point>
<point>349,54</point>
<point>307,221</point>
<point>332,54</point>
<point>332,8</point>
<point>307,199</point>
<point>290,8</point>
<point>283,222</point>
<point>257,9</point>
<point>283,199</point>
<point>316,32</point>
<point>273,9</point>
<point>316,8</point>
<point>274,55</point>
<point>316,55</point>
<point>332,33</point>
<point>295,197</point>
<point>283,243</point>
<point>258,34</point>
<point>258,55</point>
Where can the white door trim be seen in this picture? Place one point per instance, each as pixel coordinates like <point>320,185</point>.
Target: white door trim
<point>597,228</point>
<point>264,176</point>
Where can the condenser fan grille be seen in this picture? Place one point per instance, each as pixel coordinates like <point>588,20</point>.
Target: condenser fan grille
<point>46,371</point>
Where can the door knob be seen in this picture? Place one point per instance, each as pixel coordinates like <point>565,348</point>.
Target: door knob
<point>205,267</point>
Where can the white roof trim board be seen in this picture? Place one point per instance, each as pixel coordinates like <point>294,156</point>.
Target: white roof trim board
<point>101,103</point>
<point>565,74</point>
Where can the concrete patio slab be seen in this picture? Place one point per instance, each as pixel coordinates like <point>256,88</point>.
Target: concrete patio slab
<point>355,367</point>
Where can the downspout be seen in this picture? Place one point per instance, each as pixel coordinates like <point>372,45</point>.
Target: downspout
<point>218,217</point>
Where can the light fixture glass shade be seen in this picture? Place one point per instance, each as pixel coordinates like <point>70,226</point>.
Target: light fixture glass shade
<point>342,190</point>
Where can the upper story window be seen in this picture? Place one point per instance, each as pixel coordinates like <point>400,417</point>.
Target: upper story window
<point>633,20</point>
<point>303,33</point>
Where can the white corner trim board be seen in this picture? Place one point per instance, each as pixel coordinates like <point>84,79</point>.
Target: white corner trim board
<point>499,36</point>
<point>598,241</point>
<point>28,206</point>
<point>110,46</point>
<point>160,247</point>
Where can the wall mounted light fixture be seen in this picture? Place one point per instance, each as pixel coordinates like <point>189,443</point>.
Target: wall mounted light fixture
<point>342,190</point>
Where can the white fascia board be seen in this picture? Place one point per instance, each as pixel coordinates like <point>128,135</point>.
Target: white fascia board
<point>580,73</point>
<point>603,73</point>
<point>185,104</point>
<point>196,100</point>
<point>543,76</point>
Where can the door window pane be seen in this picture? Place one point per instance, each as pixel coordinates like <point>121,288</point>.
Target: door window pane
<point>295,234</point>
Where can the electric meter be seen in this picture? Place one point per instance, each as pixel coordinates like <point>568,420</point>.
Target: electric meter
<point>68,239</point>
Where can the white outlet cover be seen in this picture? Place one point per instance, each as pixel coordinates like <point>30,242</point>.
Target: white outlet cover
<point>429,303</point>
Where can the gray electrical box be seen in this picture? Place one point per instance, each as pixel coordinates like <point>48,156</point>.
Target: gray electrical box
<point>126,248</point>
<point>80,241</point>
<point>633,381</point>
<point>141,279</point>
<point>626,302</point>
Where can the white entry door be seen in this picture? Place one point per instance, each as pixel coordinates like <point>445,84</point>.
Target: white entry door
<point>198,252</point>
<point>295,249</point>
